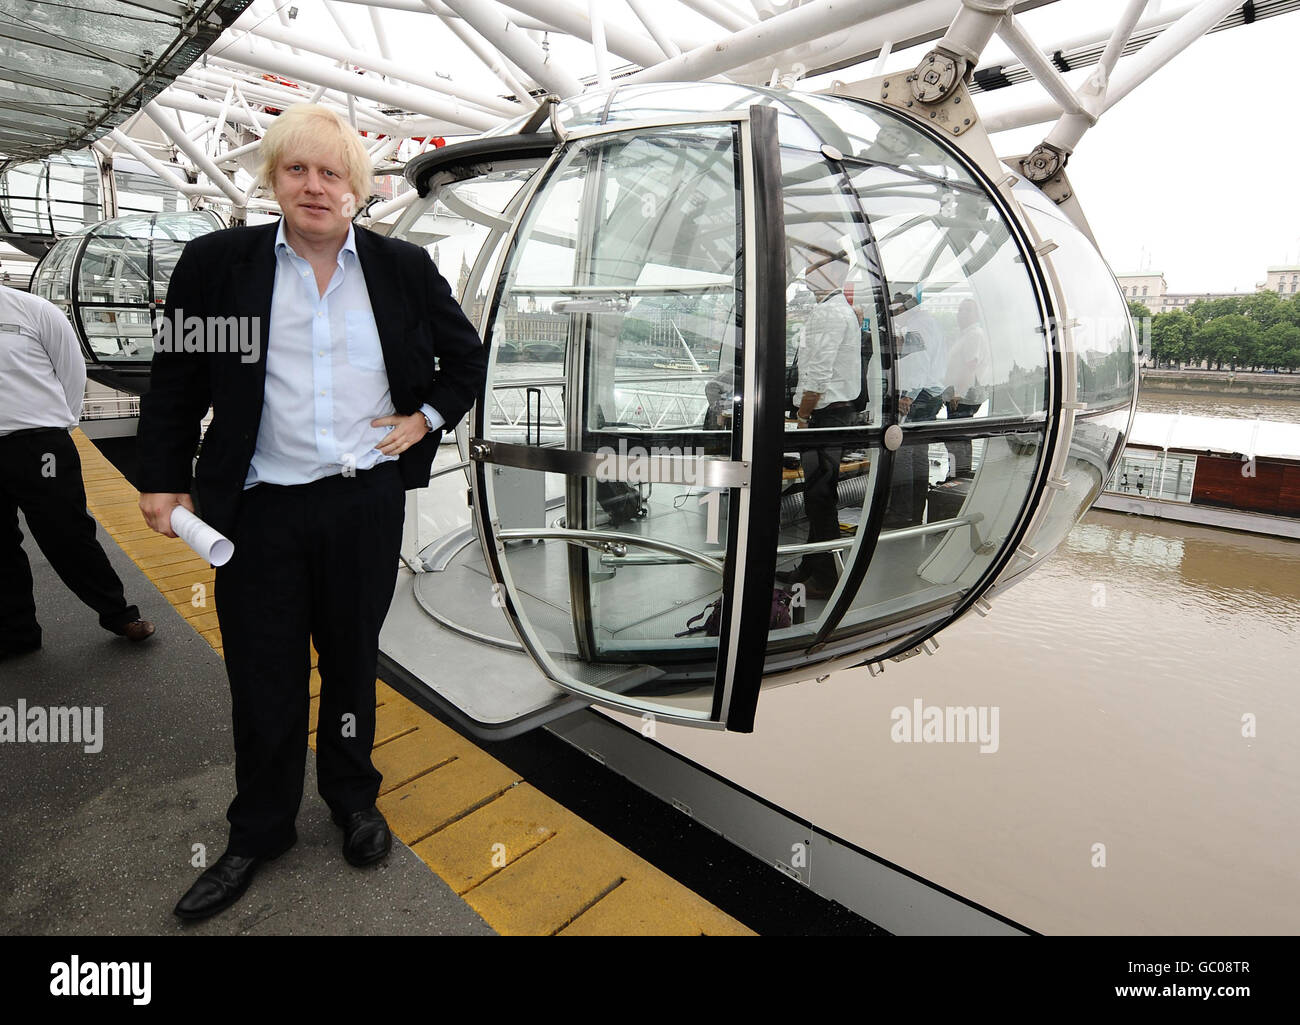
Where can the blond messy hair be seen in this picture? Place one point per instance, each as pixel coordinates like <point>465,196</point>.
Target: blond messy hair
<point>309,128</point>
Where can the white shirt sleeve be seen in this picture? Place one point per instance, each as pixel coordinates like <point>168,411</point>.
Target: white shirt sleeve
<point>60,341</point>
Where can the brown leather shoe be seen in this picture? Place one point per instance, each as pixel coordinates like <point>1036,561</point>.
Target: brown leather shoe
<point>137,630</point>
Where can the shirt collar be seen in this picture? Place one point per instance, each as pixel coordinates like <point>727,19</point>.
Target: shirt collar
<point>349,244</point>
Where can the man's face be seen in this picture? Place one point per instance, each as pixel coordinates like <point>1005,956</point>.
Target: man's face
<point>313,192</point>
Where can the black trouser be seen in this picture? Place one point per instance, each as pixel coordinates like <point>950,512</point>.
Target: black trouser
<point>821,496</point>
<point>314,561</point>
<point>40,473</point>
<point>960,451</point>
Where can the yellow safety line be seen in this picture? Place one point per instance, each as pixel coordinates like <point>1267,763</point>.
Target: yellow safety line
<point>525,863</point>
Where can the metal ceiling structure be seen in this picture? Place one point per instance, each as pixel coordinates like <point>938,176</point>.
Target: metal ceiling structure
<point>70,73</point>
<point>183,89</point>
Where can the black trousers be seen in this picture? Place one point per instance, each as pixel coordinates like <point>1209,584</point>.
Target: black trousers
<point>312,561</point>
<point>821,496</point>
<point>40,473</point>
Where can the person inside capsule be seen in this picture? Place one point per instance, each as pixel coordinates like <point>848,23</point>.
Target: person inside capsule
<point>828,389</point>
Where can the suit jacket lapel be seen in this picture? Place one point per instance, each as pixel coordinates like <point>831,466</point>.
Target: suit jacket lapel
<point>382,285</point>
<point>254,280</point>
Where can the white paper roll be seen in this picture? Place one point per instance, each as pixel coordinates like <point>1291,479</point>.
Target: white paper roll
<point>202,538</point>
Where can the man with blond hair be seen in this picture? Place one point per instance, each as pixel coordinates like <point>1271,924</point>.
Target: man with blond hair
<point>364,359</point>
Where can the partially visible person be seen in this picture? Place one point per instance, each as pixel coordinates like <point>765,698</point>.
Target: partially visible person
<point>967,374</point>
<point>42,386</point>
<point>829,380</point>
<point>920,374</point>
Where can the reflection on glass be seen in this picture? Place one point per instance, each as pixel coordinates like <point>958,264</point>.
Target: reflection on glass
<point>942,531</point>
<point>57,195</point>
<point>1093,450</point>
<point>119,334</point>
<point>835,301</point>
<point>858,130</point>
<point>970,332</point>
<point>618,317</point>
<point>1105,349</point>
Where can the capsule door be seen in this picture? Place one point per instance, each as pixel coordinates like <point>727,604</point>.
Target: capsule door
<point>633,334</point>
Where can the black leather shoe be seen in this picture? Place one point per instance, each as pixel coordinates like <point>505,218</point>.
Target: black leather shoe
<point>222,884</point>
<point>366,837</point>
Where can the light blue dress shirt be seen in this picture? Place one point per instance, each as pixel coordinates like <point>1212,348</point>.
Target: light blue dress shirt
<point>325,375</point>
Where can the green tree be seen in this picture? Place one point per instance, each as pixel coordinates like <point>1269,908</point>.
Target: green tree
<point>1264,308</point>
<point>1171,338</point>
<point>1225,339</point>
<point>1280,347</point>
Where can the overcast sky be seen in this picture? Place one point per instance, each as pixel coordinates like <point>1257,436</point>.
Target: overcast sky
<point>1194,173</point>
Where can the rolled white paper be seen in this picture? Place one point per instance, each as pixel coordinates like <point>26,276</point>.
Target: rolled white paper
<point>202,538</point>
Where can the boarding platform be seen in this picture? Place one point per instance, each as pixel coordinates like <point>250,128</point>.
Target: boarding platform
<point>103,842</point>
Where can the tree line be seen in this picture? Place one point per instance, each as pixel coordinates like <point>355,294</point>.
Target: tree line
<point>1248,332</point>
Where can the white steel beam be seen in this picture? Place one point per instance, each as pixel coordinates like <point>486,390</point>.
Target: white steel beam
<point>381,36</point>
<point>721,14</point>
<point>631,46</point>
<point>442,10</point>
<point>170,127</point>
<point>486,18</point>
<point>1028,53</point>
<point>1115,46</point>
<point>1171,42</point>
<point>598,45</point>
<point>167,174</point>
<point>656,31</point>
<point>420,102</point>
<point>393,69</point>
<point>491,59</point>
<point>810,23</point>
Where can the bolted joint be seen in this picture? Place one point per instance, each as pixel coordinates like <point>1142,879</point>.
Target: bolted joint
<point>1044,162</point>
<point>937,76</point>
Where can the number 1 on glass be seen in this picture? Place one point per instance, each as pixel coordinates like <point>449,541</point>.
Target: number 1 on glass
<point>713,499</point>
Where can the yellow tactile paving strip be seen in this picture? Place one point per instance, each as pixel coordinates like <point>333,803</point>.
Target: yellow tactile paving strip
<point>525,863</point>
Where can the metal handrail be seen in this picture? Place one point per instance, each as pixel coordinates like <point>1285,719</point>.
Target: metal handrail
<point>609,542</point>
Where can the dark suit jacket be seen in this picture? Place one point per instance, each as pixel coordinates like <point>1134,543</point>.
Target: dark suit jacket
<point>431,352</point>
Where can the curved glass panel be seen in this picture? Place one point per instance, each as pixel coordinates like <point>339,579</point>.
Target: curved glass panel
<point>1105,349</point>
<point>970,332</point>
<point>835,341</point>
<point>139,190</point>
<point>615,325</point>
<point>1095,448</point>
<point>868,133</point>
<point>941,532</point>
<point>57,195</point>
<point>458,219</point>
<point>118,334</point>
<point>53,278</point>
<point>649,102</point>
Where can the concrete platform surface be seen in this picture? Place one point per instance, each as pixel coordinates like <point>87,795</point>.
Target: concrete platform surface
<point>102,843</point>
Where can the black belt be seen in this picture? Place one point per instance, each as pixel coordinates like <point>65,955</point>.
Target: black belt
<point>33,430</point>
<point>373,477</point>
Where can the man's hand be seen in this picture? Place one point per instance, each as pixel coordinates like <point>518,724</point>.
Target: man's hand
<point>407,430</point>
<point>904,404</point>
<point>157,510</point>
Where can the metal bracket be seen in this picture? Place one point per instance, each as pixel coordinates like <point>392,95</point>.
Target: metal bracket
<point>953,114</point>
<point>547,109</point>
<point>1044,165</point>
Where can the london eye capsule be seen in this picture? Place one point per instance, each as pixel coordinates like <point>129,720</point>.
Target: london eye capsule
<point>110,279</point>
<point>779,383</point>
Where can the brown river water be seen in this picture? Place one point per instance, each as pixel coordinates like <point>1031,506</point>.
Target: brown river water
<point>1146,777</point>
